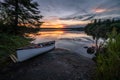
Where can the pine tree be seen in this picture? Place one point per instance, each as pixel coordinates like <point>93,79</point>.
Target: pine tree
<point>21,12</point>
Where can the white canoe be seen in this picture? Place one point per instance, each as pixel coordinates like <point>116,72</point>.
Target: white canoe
<point>31,51</point>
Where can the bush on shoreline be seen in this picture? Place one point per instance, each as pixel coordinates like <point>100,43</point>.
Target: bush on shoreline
<point>9,44</point>
<point>108,63</point>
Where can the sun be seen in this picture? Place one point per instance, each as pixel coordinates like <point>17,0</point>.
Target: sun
<point>51,24</point>
<point>58,26</point>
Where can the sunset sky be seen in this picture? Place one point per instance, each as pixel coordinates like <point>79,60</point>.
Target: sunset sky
<point>76,13</point>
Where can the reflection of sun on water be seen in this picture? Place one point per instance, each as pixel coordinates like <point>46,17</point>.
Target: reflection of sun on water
<point>57,34</point>
<point>43,36</point>
<point>47,34</point>
<point>50,33</point>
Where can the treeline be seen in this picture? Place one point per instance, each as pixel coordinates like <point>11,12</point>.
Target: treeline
<point>100,28</point>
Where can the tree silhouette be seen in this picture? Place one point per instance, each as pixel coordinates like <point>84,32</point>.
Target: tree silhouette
<point>20,12</point>
<point>100,29</point>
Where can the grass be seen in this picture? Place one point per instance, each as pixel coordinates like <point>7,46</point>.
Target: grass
<point>108,63</point>
<point>8,45</point>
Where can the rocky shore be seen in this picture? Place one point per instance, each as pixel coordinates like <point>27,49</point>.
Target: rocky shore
<point>59,64</point>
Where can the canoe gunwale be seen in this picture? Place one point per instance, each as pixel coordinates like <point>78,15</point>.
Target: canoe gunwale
<point>35,47</point>
<point>38,46</point>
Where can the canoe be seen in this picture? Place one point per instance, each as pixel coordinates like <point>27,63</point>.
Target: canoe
<point>34,50</point>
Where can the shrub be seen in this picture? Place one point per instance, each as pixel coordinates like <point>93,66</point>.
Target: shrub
<point>108,63</point>
<point>9,44</point>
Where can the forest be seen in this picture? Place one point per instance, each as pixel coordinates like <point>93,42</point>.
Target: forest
<point>107,53</point>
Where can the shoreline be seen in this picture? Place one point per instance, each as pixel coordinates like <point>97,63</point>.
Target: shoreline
<point>75,46</point>
<point>59,64</point>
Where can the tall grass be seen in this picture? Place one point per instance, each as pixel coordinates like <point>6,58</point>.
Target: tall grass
<point>108,63</point>
<point>9,44</point>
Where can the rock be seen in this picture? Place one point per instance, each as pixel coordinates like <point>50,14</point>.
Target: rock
<point>91,50</point>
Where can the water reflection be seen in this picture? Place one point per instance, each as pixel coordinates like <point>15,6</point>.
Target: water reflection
<point>70,40</point>
<point>57,35</point>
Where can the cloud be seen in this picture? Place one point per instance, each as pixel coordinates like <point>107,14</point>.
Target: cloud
<point>79,10</point>
<point>64,8</point>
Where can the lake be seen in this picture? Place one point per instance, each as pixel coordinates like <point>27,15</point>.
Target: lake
<point>74,41</point>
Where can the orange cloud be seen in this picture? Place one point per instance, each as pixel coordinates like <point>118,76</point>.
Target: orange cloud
<point>51,25</point>
<point>99,10</point>
<point>57,23</point>
<point>73,22</point>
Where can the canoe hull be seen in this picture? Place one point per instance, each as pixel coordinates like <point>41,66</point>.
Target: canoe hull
<point>23,55</point>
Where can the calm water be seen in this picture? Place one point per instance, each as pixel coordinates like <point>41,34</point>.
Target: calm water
<point>71,40</point>
<point>43,36</point>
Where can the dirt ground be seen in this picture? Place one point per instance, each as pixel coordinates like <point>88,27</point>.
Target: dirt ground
<point>58,64</point>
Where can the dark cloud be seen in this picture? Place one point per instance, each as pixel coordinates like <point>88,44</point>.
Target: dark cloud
<point>79,9</point>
